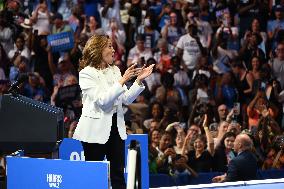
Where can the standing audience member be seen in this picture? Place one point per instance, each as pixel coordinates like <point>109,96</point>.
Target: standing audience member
<point>41,18</point>
<point>19,49</point>
<point>6,33</point>
<point>171,31</point>
<point>190,48</point>
<point>277,64</point>
<point>139,54</point>
<point>59,25</point>
<point>224,152</point>
<point>91,26</point>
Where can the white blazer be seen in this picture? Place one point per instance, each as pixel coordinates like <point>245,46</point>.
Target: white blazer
<point>102,95</point>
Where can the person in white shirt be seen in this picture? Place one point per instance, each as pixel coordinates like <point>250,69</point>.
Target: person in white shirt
<point>190,48</point>
<point>139,53</point>
<point>115,32</point>
<point>5,34</point>
<point>231,33</point>
<point>40,18</point>
<point>108,11</point>
<point>204,28</point>
<point>19,49</point>
<point>101,127</point>
<point>277,64</point>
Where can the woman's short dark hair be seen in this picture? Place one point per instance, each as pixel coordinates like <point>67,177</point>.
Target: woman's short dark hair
<point>151,107</point>
<point>226,135</point>
<point>140,37</point>
<point>258,37</point>
<point>202,138</point>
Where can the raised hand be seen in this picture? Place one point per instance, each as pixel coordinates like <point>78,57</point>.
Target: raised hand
<point>130,73</point>
<point>145,72</point>
<point>205,121</point>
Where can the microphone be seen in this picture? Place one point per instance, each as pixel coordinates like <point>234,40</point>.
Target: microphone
<point>15,86</point>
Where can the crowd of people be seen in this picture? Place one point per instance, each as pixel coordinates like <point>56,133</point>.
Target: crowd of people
<point>219,71</point>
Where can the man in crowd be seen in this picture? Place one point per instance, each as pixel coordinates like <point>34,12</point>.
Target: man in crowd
<point>244,165</point>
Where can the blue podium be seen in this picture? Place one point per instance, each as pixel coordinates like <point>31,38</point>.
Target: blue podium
<point>28,173</point>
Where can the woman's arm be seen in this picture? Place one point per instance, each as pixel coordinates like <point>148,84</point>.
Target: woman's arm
<point>137,87</point>
<point>34,16</point>
<point>164,31</point>
<point>249,78</point>
<point>210,141</point>
<point>104,99</point>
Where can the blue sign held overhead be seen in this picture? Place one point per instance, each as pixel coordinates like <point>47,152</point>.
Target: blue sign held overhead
<point>61,41</point>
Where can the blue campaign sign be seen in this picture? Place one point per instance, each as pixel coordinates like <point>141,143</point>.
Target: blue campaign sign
<point>61,41</point>
<point>27,173</point>
<point>71,149</point>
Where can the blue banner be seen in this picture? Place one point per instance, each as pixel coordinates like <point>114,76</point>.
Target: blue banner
<point>61,41</point>
<point>32,173</point>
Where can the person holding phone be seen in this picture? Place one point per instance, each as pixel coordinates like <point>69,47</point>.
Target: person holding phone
<point>40,18</point>
<point>190,49</point>
<point>257,107</point>
<point>138,51</point>
<point>230,32</point>
<point>101,127</point>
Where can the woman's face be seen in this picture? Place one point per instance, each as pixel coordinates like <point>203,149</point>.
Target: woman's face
<point>93,21</point>
<point>255,25</point>
<point>156,110</point>
<point>173,18</point>
<point>229,142</point>
<point>108,54</point>
<point>198,145</point>
<point>71,81</point>
<point>223,127</point>
<point>155,137</point>
<point>261,104</point>
<point>154,125</point>
<point>255,63</point>
<point>165,142</point>
<point>43,6</point>
<point>140,45</point>
<point>20,44</point>
<point>180,138</point>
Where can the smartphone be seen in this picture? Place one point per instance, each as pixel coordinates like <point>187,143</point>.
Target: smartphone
<point>213,127</point>
<point>262,86</point>
<point>236,108</point>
